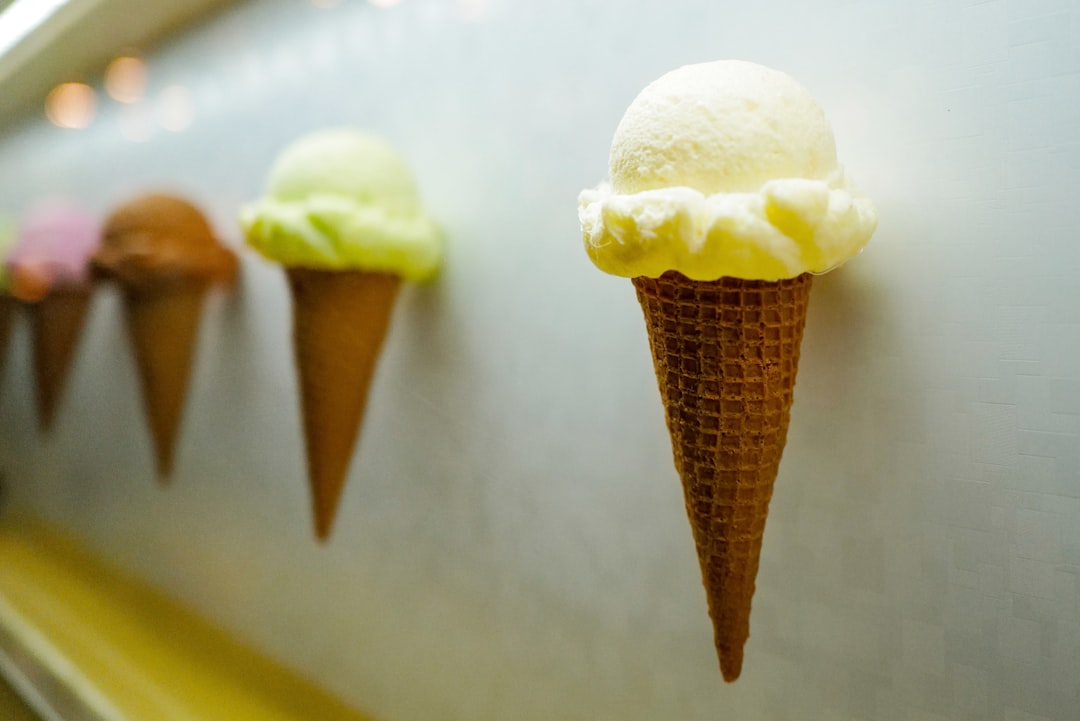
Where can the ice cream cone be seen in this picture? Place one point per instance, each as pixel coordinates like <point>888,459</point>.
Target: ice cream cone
<point>163,324</point>
<point>725,194</point>
<point>48,270</point>
<point>56,323</point>
<point>726,353</point>
<point>342,215</point>
<point>164,256</point>
<point>340,319</point>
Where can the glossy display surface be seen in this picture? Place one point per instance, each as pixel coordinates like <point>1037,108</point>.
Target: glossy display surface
<point>86,643</point>
<point>512,542</point>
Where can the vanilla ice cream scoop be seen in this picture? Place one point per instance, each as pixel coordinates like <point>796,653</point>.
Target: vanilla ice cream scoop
<point>722,127</point>
<point>721,169</point>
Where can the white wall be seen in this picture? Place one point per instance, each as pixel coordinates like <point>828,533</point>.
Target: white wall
<point>512,543</point>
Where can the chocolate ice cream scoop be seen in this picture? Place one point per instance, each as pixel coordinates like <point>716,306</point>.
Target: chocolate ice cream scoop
<point>158,238</point>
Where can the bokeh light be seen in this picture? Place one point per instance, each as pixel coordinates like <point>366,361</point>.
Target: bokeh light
<point>176,108</point>
<point>71,105</point>
<point>125,79</point>
<point>384,3</point>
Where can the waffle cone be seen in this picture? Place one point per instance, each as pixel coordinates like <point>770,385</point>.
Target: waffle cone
<point>163,324</point>
<point>726,353</point>
<point>340,319</point>
<point>56,324</point>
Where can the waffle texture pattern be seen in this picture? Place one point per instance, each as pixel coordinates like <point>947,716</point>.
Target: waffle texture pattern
<point>726,353</point>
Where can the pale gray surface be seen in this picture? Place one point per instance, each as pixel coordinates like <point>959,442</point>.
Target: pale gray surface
<point>512,544</point>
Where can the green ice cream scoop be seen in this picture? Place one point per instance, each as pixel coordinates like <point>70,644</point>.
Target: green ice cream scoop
<point>344,199</point>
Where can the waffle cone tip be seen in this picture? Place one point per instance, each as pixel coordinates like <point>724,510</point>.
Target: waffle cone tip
<point>729,588</point>
<point>46,418</point>
<point>731,668</point>
<point>163,461</point>
<point>327,471</point>
<point>324,520</point>
<point>729,651</point>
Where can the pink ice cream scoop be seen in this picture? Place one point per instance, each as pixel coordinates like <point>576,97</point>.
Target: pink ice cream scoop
<point>56,239</point>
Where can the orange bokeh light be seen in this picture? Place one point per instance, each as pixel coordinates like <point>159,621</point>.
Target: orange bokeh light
<point>71,105</point>
<point>125,79</point>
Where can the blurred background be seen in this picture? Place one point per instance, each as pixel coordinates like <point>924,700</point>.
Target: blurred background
<point>512,542</point>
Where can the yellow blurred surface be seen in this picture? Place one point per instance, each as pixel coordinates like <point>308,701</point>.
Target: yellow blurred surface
<point>12,707</point>
<point>133,653</point>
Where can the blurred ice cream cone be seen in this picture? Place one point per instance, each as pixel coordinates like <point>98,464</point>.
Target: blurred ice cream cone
<point>343,217</point>
<point>49,270</point>
<point>165,257</point>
